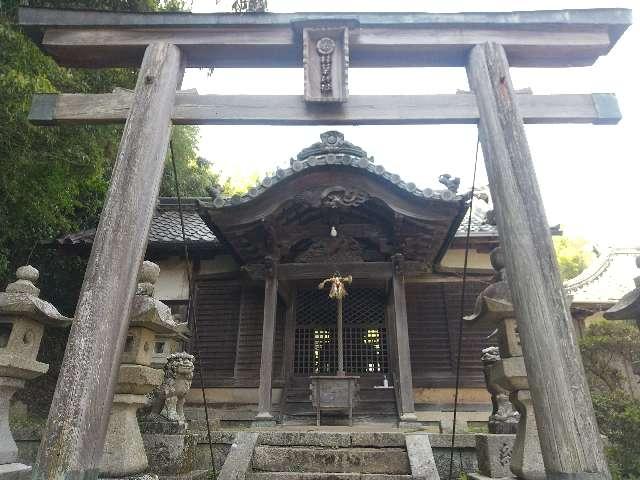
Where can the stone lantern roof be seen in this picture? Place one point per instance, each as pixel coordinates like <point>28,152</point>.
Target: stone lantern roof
<point>21,298</point>
<point>147,311</point>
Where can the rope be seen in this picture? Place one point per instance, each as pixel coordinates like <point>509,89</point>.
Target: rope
<point>462,298</point>
<point>196,343</point>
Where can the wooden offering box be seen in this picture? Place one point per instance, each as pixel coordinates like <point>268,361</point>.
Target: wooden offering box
<point>334,393</point>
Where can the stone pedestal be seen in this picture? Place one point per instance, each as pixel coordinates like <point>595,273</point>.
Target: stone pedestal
<point>124,452</point>
<point>526,460</point>
<point>8,447</point>
<point>264,419</point>
<point>494,453</point>
<point>170,448</point>
<point>505,373</point>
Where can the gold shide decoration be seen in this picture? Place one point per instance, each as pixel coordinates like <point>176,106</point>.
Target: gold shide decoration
<point>338,292</point>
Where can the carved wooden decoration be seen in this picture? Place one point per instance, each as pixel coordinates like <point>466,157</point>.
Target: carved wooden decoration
<point>326,60</point>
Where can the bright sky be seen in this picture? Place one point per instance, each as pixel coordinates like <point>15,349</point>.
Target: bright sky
<point>589,175</point>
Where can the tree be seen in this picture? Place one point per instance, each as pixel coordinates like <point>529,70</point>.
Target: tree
<point>606,347</point>
<point>195,174</point>
<point>55,178</point>
<point>573,256</point>
<point>249,6</point>
<point>608,350</point>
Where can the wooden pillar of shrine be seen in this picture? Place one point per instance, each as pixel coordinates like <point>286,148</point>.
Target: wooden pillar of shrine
<point>569,437</point>
<point>264,416</point>
<point>73,440</point>
<point>407,408</point>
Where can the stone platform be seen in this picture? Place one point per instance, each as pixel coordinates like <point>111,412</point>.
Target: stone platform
<point>329,453</point>
<point>15,471</point>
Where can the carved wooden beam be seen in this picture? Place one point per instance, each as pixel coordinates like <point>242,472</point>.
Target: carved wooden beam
<point>194,109</point>
<point>313,271</point>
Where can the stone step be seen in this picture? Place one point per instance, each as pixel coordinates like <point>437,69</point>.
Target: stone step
<point>268,458</point>
<point>324,476</point>
<point>332,439</point>
<point>382,421</point>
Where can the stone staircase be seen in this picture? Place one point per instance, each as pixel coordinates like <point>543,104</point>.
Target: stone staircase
<point>375,405</point>
<point>330,455</point>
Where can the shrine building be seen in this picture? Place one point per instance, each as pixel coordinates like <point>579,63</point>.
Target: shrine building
<point>334,210</point>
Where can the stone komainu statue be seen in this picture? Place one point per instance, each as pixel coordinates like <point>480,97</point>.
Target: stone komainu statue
<point>168,399</point>
<point>504,417</point>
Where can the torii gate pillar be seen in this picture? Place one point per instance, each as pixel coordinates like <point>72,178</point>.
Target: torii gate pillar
<point>74,436</point>
<point>569,437</point>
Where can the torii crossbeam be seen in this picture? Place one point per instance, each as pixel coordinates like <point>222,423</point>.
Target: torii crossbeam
<point>326,45</point>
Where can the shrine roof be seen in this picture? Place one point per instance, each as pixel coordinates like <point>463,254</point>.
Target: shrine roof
<point>331,153</point>
<point>607,279</point>
<point>334,182</point>
<point>165,234</point>
<point>334,151</point>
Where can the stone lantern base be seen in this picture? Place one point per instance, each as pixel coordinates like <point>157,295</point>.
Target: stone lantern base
<point>123,428</point>
<point>8,447</point>
<point>124,454</point>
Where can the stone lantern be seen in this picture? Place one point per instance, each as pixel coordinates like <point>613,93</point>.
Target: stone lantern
<point>23,316</point>
<point>137,378</point>
<point>505,372</point>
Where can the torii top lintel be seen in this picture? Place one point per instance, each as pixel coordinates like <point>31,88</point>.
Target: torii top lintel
<point>561,38</point>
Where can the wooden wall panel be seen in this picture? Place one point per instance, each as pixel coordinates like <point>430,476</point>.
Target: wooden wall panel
<point>217,311</point>
<point>230,332</point>
<point>433,314</point>
<point>250,338</point>
<point>230,328</point>
<point>250,334</point>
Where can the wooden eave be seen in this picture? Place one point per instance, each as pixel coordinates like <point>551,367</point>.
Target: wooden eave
<point>249,222</point>
<point>559,38</point>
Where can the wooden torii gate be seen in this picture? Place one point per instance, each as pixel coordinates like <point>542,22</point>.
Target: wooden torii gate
<point>163,44</point>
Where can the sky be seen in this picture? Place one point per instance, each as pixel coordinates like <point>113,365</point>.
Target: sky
<point>589,175</point>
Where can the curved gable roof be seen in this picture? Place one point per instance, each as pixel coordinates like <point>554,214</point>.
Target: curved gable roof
<point>336,179</point>
<point>334,150</point>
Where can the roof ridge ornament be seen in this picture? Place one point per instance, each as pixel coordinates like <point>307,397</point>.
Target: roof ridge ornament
<point>332,141</point>
<point>334,150</point>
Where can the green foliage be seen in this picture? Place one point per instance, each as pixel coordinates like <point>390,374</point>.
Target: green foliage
<point>249,6</point>
<point>619,419</point>
<point>573,256</point>
<point>195,175</point>
<point>8,8</point>
<point>604,347</point>
<point>240,185</point>
<point>55,178</point>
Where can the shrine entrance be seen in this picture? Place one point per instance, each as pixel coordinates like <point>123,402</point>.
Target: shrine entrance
<point>364,333</point>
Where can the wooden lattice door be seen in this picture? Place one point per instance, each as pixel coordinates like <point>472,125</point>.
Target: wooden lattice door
<point>364,337</point>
